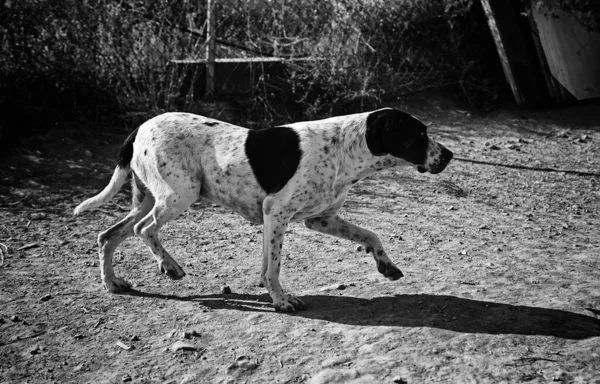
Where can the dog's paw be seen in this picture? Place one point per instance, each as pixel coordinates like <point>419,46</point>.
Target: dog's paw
<point>289,304</point>
<point>116,285</point>
<point>173,270</point>
<point>389,270</point>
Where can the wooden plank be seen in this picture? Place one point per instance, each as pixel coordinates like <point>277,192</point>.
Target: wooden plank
<point>210,48</point>
<point>572,51</point>
<point>558,93</point>
<point>508,73</point>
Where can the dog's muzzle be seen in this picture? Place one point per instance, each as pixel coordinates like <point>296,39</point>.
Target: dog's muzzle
<point>437,160</point>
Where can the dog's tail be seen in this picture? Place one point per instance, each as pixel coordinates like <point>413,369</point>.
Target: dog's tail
<point>117,180</point>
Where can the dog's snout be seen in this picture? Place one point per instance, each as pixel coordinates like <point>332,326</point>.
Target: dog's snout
<point>438,162</point>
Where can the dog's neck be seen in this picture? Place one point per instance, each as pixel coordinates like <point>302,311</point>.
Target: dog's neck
<point>359,161</point>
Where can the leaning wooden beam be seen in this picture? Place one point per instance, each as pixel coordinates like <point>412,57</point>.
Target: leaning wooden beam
<point>519,98</point>
<point>210,48</point>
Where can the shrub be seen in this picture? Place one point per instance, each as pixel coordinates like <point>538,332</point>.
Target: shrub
<point>95,57</point>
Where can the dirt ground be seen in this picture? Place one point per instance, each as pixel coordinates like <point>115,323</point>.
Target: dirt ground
<point>502,270</point>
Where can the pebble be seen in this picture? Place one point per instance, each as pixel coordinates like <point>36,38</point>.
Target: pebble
<point>15,319</point>
<point>183,346</point>
<point>359,248</point>
<point>225,290</point>
<point>243,362</point>
<point>126,378</point>
<point>124,346</point>
<point>190,334</point>
<point>45,297</point>
<point>340,287</point>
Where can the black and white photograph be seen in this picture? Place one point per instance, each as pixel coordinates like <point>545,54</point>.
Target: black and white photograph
<point>299,191</point>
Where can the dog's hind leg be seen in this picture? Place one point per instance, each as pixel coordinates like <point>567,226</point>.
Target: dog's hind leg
<point>335,226</point>
<point>165,209</point>
<point>110,239</point>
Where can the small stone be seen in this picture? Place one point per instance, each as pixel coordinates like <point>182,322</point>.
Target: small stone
<point>79,337</point>
<point>15,319</point>
<point>359,248</point>
<point>243,362</point>
<point>333,287</point>
<point>35,350</point>
<point>399,380</point>
<point>45,297</point>
<point>183,346</point>
<point>134,338</point>
<point>225,290</point>
<point>190,334</point>
<point>126,378</point>
<point>123,346</point>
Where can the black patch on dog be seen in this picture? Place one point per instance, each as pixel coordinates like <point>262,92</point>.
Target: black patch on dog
<point>274,155</point>
<point>390,131</point>
<point>126,153</point>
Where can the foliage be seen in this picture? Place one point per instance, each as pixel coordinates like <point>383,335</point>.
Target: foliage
<point>93,57</point>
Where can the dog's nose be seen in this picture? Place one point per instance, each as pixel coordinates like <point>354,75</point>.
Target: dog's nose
<point>447,154</point>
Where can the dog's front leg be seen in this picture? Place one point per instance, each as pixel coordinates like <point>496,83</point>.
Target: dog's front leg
<point>335,226</point>
<point>275,224</point>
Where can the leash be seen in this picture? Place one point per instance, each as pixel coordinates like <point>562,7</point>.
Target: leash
<point>517,166</point>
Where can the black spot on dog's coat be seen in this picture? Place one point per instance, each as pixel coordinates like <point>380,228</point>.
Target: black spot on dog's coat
<point>274,155</point>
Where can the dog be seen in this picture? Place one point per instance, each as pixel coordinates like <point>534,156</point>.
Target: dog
<point>272,176</point>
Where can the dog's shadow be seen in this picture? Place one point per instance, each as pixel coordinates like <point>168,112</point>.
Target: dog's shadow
<point>434,311</point>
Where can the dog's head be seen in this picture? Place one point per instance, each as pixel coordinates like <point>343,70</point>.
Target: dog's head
<point>397,133</point>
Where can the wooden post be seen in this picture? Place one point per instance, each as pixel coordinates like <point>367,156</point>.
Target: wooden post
<point>210,48</point>
<point>508,72</point>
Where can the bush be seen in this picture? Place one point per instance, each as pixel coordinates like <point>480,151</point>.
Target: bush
<point>97,57</point>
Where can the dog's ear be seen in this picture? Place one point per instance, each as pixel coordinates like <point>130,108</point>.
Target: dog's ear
<point>377,124</point>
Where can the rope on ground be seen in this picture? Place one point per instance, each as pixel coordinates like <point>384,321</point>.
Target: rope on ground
<point>517,166</point>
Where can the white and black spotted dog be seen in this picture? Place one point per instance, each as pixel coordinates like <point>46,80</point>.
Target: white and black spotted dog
<point>300,171</point>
